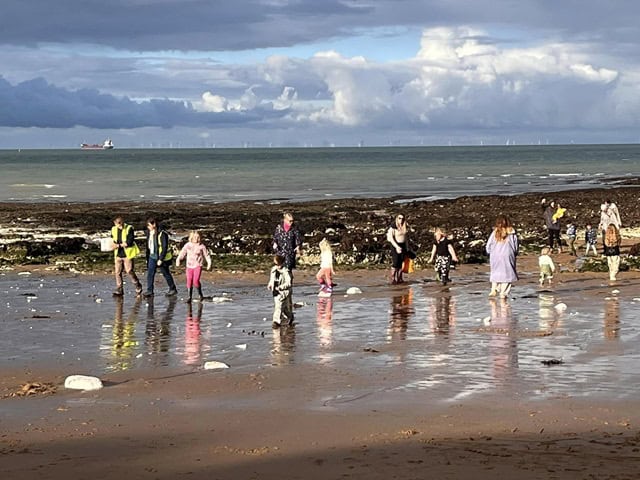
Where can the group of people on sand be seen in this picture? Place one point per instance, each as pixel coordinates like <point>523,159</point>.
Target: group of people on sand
<point>159,256</point>
<point>287,245</point>
<point>502,247</point>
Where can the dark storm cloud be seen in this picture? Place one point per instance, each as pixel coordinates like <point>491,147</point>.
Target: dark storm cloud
<point>172,24</point>
<point>207,25</point>
<point>36,103</point>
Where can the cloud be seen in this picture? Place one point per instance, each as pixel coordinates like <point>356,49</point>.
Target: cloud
<point>36,103</point>
<point>460,78</point>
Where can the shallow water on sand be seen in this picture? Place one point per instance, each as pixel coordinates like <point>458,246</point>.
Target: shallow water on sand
<point>450,343</point>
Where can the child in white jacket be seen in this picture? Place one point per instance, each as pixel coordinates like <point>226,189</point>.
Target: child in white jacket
<point>281,286</point>
<point>547,267</point>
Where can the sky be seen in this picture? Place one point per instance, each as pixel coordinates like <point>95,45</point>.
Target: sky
<point>295,73</point>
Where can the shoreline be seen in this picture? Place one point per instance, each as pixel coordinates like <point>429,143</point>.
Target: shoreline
<point>239,233</point>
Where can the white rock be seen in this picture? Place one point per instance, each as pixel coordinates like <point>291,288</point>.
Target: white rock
<point>82,382</point>
<point>560,307</point>
<point>615,292</point>
<point>221,299</point>
<point>241,346</point>
<point>486,320</point>
<point>353,291</point>
<point>213,365</point>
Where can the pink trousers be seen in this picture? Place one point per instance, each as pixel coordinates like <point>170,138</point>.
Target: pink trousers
<point>193,277</point>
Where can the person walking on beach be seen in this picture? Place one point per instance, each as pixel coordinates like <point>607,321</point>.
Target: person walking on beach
<point>547,267</point>
<point>609,215</point>
<point>552,222</point>
<point>326,272</point>
<point>443,253</point>
<point>159,257</point>
<point>572,234</point>
<point>612,250</point>
<point>287,241</point>
<point>590,239</point>
<point>196,253</point>
<point>397,236</point>
<point>502,248</point>
<point>280,284</point>
<point>124,253</point>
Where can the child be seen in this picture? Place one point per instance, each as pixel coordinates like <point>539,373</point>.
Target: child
<point>324,275</point>
<point>612,250</point>
<point>280,285</point>
<point>572,234</point>
<point>443,253</point>
<point>196,253</point>
<point>590,239</point>
<point>547,267</point>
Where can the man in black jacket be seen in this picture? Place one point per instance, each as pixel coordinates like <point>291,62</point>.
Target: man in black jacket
<point>159,256</point>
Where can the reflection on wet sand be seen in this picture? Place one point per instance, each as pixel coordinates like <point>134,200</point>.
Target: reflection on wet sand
<point>283,345</point>
<point>547,314</point>
<point>503,346</point>
<point>401,311</point>
<point>443,313</point>
<point>611,319</point>
<point>122,344</point>
<point>192,335</point>
<point>158,331</point>
<point>324,321</point>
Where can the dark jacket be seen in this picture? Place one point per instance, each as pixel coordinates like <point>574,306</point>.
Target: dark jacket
<point>162,248</point>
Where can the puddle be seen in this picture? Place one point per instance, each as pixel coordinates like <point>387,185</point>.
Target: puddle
<point>448,343</point>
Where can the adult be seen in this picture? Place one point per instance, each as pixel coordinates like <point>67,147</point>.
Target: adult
<point>159,257</point>
<point>125,250</point>
<point>502,248</point>
<point>609,215</point>
<point>398,237</point>
<point>552,222</point>
<point>287,241</point>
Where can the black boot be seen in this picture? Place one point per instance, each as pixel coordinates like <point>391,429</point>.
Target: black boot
<point>188,300</point>
<point>200,296</point>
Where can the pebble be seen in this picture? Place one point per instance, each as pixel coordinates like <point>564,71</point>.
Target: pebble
<point>561,307</point>
<point>353,291</point>
<point>82,382</point>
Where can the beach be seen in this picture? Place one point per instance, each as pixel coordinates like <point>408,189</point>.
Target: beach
<point>399,381</point>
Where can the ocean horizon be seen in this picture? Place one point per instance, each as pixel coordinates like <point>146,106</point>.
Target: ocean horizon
<point>307,174</point>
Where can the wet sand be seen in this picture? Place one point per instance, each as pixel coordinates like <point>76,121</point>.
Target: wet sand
<point>410,381</point>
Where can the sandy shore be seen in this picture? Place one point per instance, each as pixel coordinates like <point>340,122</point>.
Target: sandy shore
<point>413,381</point>
<point>405,382</point>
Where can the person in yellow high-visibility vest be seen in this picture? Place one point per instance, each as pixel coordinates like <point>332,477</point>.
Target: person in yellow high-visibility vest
<point>125,250</point>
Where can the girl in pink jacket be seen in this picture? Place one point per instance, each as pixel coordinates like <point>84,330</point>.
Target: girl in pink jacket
<point>196,254</point>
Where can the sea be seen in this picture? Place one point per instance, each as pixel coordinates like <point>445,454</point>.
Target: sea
<point>306,174</point>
